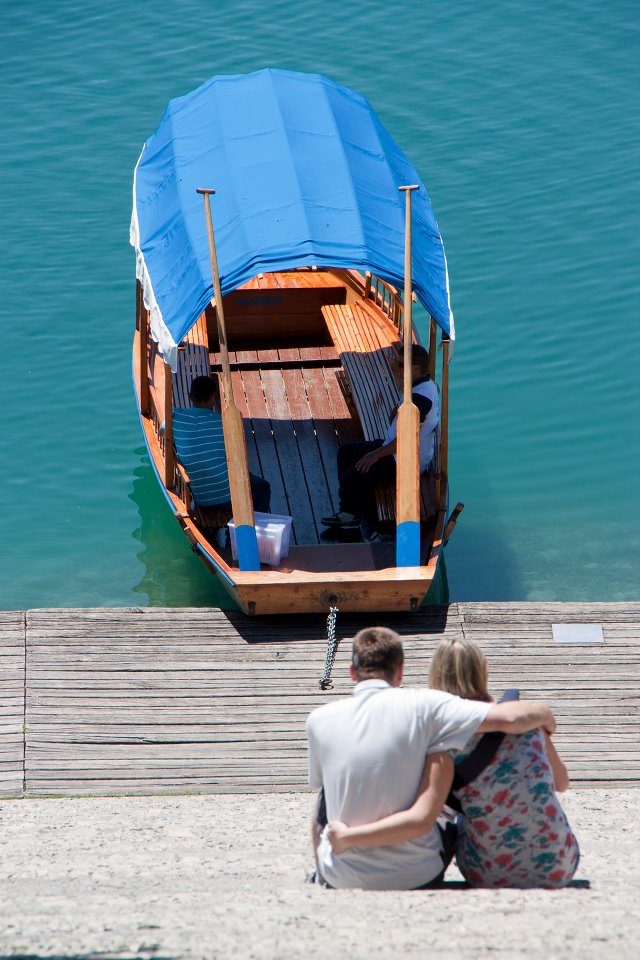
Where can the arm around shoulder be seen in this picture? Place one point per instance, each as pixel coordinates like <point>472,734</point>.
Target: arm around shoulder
<point>407,824</point>
<point>518,716</point>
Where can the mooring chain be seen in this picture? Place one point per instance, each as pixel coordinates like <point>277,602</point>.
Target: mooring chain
<point>332,648</point>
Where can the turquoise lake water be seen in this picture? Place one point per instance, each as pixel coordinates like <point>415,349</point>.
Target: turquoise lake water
<point>523,120</point>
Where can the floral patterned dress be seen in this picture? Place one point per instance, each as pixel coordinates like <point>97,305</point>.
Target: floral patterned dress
<point>513,831</point>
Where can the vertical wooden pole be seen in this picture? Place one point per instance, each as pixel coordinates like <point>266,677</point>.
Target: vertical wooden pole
<point>233,428</point>
<point>433,347</point>
<point>444,423</point>
<point>169,461</point>
<point>408,430</point>
<point>143,337</point>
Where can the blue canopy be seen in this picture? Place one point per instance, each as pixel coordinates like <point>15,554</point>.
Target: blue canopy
<point>304,173</point>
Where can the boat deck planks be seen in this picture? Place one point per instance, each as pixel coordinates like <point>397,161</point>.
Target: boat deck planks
<point>295,419</point>
<point>295,413</point>
<point>156,700</point>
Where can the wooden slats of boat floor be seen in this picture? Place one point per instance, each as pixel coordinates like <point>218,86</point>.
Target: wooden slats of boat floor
<point>295,417</point>
<point>155,700</point>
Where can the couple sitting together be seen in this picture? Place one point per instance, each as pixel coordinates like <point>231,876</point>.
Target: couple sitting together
<point>393,765</point>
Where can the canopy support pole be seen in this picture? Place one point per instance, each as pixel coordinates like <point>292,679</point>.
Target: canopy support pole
<point>143,363</point>
<point>444,424</point>
<point>433,345</point>
<point>408,429</point>
<point>232,426</point>
<point>169,460</point>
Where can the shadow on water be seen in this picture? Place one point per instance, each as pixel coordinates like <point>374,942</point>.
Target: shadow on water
<point>174,576</point>
<point>439,590</point>
<point>482,566</point>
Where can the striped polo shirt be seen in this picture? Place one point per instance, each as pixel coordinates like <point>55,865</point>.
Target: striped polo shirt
<point>199,443</point>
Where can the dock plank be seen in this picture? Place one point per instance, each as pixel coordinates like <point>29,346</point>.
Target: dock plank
<point>156,700</point>
<point>12,702</point>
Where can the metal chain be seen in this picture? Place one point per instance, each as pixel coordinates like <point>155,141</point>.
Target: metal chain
<point>326,682</point>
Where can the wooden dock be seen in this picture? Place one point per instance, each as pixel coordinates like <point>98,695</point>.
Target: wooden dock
<point>156,700</point>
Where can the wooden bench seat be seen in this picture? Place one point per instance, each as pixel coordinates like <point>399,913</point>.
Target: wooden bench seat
<point>366,351</point>
<point>193,361</point>
<point>386,499</point>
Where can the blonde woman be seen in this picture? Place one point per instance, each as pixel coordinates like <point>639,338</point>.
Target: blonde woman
<point>512,831</point>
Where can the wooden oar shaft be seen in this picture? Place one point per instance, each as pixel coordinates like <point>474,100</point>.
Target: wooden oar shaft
<point>233,429</point>
<point>219,310</point>
<point>408,428</point>
<point>407,326</point>
<point>444,422</point>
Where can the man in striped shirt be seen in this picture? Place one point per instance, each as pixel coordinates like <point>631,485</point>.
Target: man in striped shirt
<point>199,443</point>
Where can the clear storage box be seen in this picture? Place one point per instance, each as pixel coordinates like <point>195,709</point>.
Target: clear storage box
<point>273,533</point>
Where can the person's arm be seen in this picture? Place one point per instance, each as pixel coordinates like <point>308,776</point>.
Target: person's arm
<point>365,463</point>
<point>518,716</point>
<point>389,449</point>
<point>560,773</point>
<point>407,824</point>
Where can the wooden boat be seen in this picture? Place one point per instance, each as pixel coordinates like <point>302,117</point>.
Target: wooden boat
<point>302,338</point>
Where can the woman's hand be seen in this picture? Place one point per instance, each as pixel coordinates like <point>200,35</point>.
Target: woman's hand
<point>337,833</point>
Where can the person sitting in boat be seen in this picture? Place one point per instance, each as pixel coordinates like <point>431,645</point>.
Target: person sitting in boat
<point>363,464</point>
<point>199,443</point>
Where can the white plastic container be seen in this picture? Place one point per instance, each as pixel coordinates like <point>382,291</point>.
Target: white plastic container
<point>273,533</point>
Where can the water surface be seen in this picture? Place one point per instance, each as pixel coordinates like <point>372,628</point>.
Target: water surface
<point>522,120</point>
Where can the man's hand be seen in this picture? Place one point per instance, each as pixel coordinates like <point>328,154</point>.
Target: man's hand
<point>365,463</point>
<point>336,831</point>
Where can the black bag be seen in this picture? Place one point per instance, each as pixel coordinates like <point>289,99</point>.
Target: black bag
<point>480,757</point>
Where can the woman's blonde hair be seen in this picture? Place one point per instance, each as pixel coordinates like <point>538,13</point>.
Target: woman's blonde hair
<point>460,667</point>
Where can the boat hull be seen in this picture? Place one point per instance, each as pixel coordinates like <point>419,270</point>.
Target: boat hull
<point>355,577</point>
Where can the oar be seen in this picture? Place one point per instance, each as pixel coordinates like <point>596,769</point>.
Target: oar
<point>234,439</point>
<point>451,522</point>
<point>408,429</point>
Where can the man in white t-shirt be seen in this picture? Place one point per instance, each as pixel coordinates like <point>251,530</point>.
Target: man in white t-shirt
<point>367,753</point>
